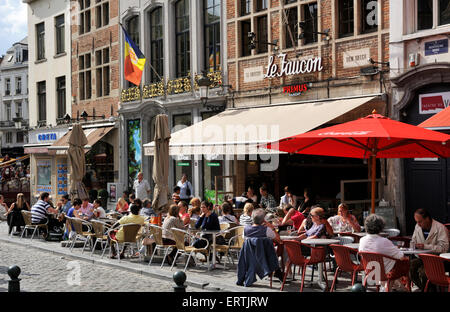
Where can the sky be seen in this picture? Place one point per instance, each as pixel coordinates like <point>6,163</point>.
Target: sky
<point>13,23</point>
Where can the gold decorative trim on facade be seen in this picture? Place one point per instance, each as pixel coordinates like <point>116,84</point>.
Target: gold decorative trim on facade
<point>130,94</point>
<point>174,86</point>
<point>153,90</point>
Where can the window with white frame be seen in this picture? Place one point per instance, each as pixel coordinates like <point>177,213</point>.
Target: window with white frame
<point>40,40</point>
<point>432,13</point>
<point>59,34</point>
<point>212,15</point>
<point>18,85</point>
<point>8,137</point>
<point>8,111</point>
<point>182,35</point>
<point>61,96</point>
<point>19,109</point>
<point>7,86</point>
<point>156,44</point>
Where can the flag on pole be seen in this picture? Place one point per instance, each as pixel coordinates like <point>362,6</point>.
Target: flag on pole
<point>134,61</point>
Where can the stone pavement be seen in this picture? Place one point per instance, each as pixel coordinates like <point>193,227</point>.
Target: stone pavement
<point>49,265</point>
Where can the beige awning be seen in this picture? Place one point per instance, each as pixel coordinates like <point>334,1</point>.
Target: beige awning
<point>93,135</point>
<point>240,131</point>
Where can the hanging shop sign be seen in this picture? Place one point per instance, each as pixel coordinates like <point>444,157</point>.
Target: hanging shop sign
<point>433,103</point>
<point>183,164</point>
<point>295,90</point>
<point>292,67</point>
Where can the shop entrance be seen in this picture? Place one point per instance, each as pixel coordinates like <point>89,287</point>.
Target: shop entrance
<point>427,181</point>
<point>99,168</point>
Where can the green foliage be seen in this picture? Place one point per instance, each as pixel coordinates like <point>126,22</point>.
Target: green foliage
<point>210,195</point>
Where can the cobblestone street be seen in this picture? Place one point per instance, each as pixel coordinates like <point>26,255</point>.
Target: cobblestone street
<point>42,271</point>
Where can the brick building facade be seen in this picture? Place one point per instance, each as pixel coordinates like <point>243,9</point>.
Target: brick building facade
<point>351,40</point>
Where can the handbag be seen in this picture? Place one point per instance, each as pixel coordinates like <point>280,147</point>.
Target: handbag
<point>188,190</point>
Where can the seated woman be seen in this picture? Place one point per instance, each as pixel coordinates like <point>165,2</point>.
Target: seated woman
<point>373,242</point>
<point>344,221</point>
<point>171,221</point>
<point>292,217</point>
<point>195,211</point>
<point>210,222</point>
<point>319,227</point>
<point>14,213</point>
<point>122,206</point>
<point>183,212</point>
<point>227,217</point>
<point>246,216</point>
<point>308,203</point>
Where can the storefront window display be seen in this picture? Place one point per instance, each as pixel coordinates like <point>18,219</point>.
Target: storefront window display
<point>44,176</point>
<point>99,166</point>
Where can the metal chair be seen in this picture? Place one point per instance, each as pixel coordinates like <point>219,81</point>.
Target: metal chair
<point>180,237</point>
<point>29,225</point>
<point>86,236</point>
<point>130,233</point>
<point>235,243</point>
<point>435,271</point>
<point>100,229</point>
<point>156,232</point>
<point>343,257</point>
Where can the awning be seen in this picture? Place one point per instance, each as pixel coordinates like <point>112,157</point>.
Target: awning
<point>240,131</point>
<point>439,121</point>
<point>93,135</point>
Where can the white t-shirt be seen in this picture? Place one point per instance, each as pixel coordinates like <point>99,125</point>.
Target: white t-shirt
<point>101,211</point>
<point>141,189</point>
<point>378,244</point>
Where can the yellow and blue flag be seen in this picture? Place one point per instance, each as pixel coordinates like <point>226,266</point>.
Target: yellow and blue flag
<point>134,61</point>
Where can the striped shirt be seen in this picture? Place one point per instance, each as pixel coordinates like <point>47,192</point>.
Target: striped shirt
<point>39,211</point>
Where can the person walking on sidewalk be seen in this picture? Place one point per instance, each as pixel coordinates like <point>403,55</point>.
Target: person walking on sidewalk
<point>186,190</point>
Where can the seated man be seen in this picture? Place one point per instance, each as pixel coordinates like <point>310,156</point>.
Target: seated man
<point>267,200</point>
<point>344,221</point>
<point>134,217</point>
<point>40,210</point>
<point>259,229</point>
<point>98,212</point>
<point>428,234</point>
<point>373,242</point>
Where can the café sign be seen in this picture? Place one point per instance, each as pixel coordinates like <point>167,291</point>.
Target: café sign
<point>292,67</point>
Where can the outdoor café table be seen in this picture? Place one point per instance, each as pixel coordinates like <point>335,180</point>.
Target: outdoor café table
<point>445,255</point>
<point>320,242</point>
<point>287,237</point>
<point>353,245</point>
<point>414,252</point>
<point>213,234</point>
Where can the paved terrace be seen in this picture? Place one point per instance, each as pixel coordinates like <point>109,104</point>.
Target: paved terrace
<point>39,259</point>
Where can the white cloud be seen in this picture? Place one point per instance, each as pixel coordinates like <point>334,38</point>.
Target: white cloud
<point>13,17</point>
<point>13,23</point>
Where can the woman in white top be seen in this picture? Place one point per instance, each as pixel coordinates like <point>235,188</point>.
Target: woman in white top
<point>373,242</point>
<point>227,217</point>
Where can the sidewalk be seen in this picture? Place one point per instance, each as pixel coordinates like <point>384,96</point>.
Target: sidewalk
<point>215,280</point>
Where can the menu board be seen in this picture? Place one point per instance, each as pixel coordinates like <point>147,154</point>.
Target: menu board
<point>61,167</point>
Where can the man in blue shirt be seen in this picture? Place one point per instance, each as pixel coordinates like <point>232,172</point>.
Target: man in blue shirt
<point>66,204</point>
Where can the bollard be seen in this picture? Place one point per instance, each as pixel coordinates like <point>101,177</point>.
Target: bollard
<point>14,283</point>
<point>179,278</point>
<point>358,287</point>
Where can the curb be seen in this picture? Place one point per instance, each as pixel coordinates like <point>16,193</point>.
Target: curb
<point>191,281</point>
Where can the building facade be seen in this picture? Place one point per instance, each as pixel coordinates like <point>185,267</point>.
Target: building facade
<point>14,90</point>
<point>419,73</point>
<point>179,39</point>
<point>49,93</point>
<point>303,62</point>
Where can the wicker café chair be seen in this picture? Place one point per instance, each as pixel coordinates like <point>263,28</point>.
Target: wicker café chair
<point>29,225</point>
<point>235,243</point>
<point>77,225</point>
<point>180,237</point>
<point>156,232</point>
<point>100,230</point>
<point>130,238</point>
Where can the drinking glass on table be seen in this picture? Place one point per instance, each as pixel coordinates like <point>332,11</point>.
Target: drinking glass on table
<point>400,244</point>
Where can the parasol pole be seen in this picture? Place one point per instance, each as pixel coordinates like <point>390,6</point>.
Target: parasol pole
<point>374,172</point>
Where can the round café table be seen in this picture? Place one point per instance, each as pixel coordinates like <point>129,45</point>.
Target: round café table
<point>353,245</point>
<point>320,242</point>
<point>409,251</point>
<point>287,237</point>
<point>445,255</point>
<point>214,235</point>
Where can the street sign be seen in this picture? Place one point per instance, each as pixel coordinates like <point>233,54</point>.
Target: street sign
<point>436,47</point>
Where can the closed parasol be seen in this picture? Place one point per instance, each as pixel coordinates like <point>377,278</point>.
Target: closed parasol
<point>77,141</point>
